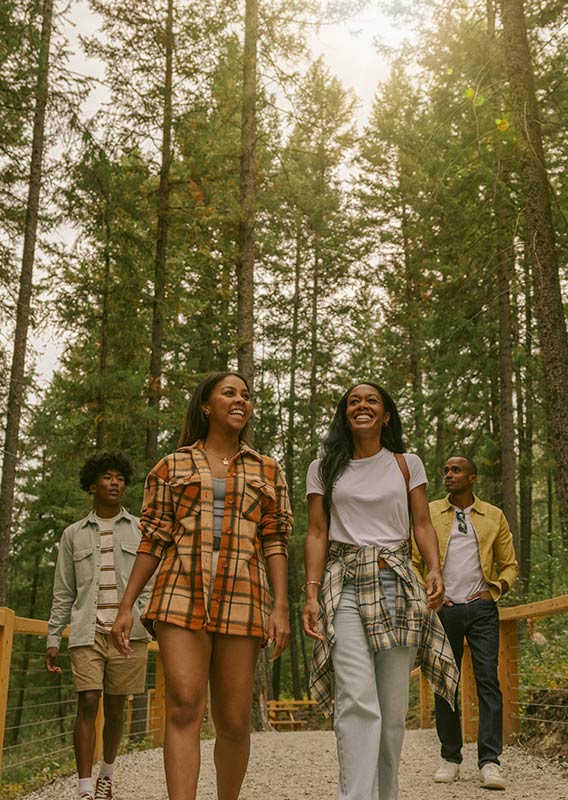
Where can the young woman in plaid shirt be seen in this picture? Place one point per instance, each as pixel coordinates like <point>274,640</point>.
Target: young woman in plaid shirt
<point>215,524</point>
<point>373,618</point>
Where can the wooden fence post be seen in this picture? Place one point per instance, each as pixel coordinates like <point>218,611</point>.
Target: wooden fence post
<point>509,678</point>
<point>158,715</point>
<point>99,725</point>
<point>7,618</point>
<point>469,708</point>
<point>425,702</point>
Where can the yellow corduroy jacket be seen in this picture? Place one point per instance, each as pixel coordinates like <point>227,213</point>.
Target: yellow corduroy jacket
<point>496,551</point>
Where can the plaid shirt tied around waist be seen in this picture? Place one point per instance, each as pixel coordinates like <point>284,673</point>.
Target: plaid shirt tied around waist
<point>177,527</point>
<point>414,624</point>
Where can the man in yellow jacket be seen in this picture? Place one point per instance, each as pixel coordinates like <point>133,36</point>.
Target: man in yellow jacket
<point>478,567</point>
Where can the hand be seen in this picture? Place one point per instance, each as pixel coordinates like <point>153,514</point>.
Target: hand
<point>121,631</point>
<point>435,589</point>
<point>485,595</point>
<point>278,631</point>
<point>310,616</point>
<point>50,656</point>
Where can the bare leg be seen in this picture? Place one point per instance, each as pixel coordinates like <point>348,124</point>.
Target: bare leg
<point>84,731</point>
<point>186,656</point>
<point>232,676</point>
<point>114,723</point>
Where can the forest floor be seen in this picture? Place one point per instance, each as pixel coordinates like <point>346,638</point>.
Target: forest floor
<point>288,766</point>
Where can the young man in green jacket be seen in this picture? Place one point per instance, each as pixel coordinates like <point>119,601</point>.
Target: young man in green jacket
<point>94,562</point>
<point>478,567</point>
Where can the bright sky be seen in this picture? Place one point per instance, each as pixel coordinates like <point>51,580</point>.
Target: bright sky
<point>347,48</point>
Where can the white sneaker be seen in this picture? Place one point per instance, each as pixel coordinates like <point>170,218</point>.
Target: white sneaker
<point>448,772</point>
<point>491,777</point>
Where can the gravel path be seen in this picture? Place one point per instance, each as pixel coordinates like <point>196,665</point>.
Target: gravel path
<point>288,766</point>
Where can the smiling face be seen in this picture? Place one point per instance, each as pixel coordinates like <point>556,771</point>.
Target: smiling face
<point>365,411</point>
<point>108,490</point>
<point>229,406</point>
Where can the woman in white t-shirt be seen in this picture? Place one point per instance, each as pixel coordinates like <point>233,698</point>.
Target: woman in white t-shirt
<point>371,616</point>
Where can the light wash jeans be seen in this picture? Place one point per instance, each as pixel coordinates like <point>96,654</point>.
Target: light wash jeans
<point>371,701</point>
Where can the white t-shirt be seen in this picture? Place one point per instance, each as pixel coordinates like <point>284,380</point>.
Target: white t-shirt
<point>462,572</point>
<point>369,504</point>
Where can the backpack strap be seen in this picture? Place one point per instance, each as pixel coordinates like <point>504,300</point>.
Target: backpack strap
<point>403,467</point>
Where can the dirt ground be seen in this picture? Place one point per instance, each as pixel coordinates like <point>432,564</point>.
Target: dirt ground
<point>289,766</point>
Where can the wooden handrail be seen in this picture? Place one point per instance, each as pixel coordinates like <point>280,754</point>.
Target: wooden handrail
<point>11,625</point>
<point>542,608</point>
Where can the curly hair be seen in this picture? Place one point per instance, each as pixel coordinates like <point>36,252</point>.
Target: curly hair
<point>337,447</point>
<point>98,463</point>
<point>196,423</point>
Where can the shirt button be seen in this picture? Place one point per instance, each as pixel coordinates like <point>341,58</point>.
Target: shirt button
<point>227,530</point>
<point>219,597</point>
<point>226,564</point>
<point>232,474</point>
<point>230,500</point>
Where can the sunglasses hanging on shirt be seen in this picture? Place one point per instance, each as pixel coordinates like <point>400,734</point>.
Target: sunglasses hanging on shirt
<point>460,516</point>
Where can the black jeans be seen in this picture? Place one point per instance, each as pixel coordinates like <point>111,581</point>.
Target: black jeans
<point>478,621</point>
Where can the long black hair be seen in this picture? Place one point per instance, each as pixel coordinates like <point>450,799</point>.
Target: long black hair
<point>337,447</point>
<point>196,423</point>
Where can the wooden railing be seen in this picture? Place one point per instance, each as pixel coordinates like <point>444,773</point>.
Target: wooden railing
<point>11,626</point>
<point>508,671</point>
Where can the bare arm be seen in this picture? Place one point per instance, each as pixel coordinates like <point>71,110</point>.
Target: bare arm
<point>427,543</point>
<point>315,554</point>
<point>143,569</point>
<point>279,624</point>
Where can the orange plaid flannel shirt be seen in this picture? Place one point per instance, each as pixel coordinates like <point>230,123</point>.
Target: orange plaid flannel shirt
<point>177,526</point>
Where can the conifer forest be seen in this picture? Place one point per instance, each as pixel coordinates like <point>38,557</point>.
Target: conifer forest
<point>205,193</point>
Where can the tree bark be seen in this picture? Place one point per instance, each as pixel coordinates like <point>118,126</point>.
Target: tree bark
<point>549,311</point>
<point>161,255</point>
<point>246,254</point>
<point>17,375</point>
<point>505,258</point>
<point>526,424</point>
<point>104,338</point>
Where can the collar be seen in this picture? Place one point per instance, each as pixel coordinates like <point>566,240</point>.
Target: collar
<point>199,445</point>
<point>90,519</point>
<point>477,505</point>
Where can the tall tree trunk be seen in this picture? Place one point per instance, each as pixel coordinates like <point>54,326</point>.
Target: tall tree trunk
<point>551,322</point>
<point>526,417</point>
<point>17,375</point>
<point>313,401</point>
<point>505,257</point>
<point>161,255</point>
<point>414,356</point>
<point>104,337</point>
<point>246,254</point>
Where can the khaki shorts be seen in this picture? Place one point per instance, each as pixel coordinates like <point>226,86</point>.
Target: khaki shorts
<point>100,666</point>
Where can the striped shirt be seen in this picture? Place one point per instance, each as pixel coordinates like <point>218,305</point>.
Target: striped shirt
<point>107,598</point>
<point>177,524</point>
<point>414,625</point>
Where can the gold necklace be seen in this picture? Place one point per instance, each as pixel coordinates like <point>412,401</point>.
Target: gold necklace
<point>224,459</point>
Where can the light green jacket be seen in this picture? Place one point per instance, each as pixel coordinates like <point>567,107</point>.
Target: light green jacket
<point>494,538</point>
<point>77,577</point>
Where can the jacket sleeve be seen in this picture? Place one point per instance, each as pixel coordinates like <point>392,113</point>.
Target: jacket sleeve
<point>64,591</point>
<point>157,516</point>
<point>504,553</point>
<point>275,523</point>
